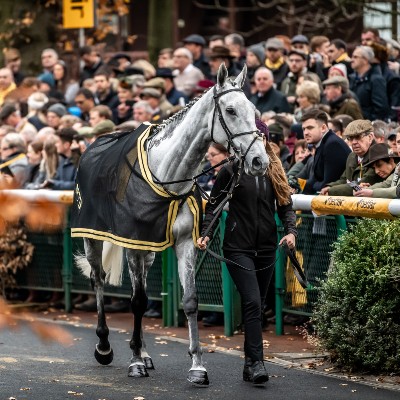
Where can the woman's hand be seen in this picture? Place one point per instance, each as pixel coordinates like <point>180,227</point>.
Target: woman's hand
<point>202,242</point>
<point>290,240</point>
<point>363,193</point>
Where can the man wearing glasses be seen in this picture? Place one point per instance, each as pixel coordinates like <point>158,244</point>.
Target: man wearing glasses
<point>359,134</point>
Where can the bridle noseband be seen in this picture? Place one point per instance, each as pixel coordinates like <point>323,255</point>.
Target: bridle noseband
<point>217,109</point>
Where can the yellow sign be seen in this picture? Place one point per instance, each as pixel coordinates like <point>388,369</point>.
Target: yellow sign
<point>78,14</point>
<point>355,206</point>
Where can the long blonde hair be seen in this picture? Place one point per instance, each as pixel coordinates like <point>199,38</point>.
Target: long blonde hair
<point>276,173</point>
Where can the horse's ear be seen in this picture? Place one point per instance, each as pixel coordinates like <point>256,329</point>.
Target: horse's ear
<point>241,77</point>
<point>222,75</point>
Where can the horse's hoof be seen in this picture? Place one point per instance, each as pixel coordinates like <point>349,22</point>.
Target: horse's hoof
<point>148,362</point>
<point>198,377</point>
<point>102,357</point>
<point>137,371</point>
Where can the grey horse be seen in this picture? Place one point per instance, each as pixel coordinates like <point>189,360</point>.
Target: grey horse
<point>175,152</point>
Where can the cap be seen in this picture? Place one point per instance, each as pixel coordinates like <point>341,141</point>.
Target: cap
<point>157,83</point>
<point>58,109</point>
<point>274,43</point>
<point>358,127</point>
<point>299,53</point>
<point>6,111</point>
<point>258,51</point>
<point>103,127</point>
<point>85,131</point>
<point>275,133</point>
<point>341,68</point>
<point>220,52</point>
<point>338,81</point>
<point>299,39</point>
<point>379,151</point>
<point>164,73</point>
<point>150,92</point>
<point>196,39</point>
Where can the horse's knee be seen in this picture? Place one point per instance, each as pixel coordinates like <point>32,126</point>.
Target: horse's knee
<point>190,305</point>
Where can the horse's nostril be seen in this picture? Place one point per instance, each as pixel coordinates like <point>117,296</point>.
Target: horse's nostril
<point>256,163</point>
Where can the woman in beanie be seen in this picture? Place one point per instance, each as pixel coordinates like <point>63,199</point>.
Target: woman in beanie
<point>250,243</point>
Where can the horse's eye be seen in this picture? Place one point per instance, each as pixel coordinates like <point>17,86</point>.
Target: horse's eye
<point>231,110</point>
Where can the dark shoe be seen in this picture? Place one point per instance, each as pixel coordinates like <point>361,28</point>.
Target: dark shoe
<point>88,305</point>
<point>255,372</point>
<point>215,319</point>
<point>152,314</point>
<point>119,306</point>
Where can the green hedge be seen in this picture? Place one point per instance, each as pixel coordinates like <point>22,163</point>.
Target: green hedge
<point>357,317</point>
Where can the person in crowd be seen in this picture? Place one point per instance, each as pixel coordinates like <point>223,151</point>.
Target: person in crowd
<point>255,58</point>
<point>105,93</point>
<point>153,97</point>
<point>380,130</point>
<point>102,128</point>
<point>369,85</point>
<point>300,153</point>
<point>165,58</point>
<point>174,96</point>
<point>64,83</point>
<point>196,44</point>
<point>308,96</point>
<point>47,85</point>
<point>11,116</point>
<point>337,54</point>
<point>385,166</point>
<point>319,45</point>
<point>186,75</point>
<point>34,156</point>
<point>331,152</point>
<point>64,178</point>
<point>275,60</point>
<point>369,35</point>
<point>142,111</point>
<point>337,70</point>
<point>123,111</point>
<point>336,126</point>
<point>277,142</point>
<point>380,65</point>
<point>85,100</point>
<point>91,62</point>
<point>216,40</point>
<point>14,166</point>
<point>36,116</point>
<point>339,99</point>
<point>7,84</point>
<point>49,58</point>
<point>118,63</point>
<point>98,114</point>
<point>54,114</point>
<point>12,61</point>
<point>267,98</point>
<point>235,43</point>
<point>164,105</point>
<point>250,242</point>
<point>148,70</point>
<point>359,134</point>
<point>392,142</point>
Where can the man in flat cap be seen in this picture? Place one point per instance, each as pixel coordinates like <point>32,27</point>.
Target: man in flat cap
<point>275,61</point>
<point>360,135</point>
<point>163,104</point>
<point>340,101</point>
<point>195,44</point>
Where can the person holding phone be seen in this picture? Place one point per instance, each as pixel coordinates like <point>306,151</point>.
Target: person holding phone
<point>250,243</point>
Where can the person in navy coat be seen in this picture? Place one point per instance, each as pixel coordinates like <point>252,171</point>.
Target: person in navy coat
<point>330,151</point>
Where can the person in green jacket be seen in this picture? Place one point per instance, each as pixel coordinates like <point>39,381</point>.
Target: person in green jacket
<point>385,166</point>
<point>358,168</point>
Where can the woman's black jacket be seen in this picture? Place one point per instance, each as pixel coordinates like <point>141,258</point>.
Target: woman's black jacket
<point>250,225</point>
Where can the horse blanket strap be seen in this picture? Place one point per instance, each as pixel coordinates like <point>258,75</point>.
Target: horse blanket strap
<point>294,262</point>
<point>116,199</point>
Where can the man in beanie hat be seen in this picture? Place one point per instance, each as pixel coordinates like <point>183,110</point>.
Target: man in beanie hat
<point>174,96</point>
<point>385,166</point>
<point>360,135</point>
<point>255,58</point>
<point>195,44</point>
<point>54,114</point>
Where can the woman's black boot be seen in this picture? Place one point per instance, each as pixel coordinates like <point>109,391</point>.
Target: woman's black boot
<point>255,372</point>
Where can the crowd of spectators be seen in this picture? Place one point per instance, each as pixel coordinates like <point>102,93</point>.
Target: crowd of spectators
<point>332,109</point>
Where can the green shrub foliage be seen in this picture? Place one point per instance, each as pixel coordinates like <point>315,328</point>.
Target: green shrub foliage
<point>358,313</point>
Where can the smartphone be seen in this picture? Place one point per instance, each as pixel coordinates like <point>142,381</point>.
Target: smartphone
<point>354,185</point>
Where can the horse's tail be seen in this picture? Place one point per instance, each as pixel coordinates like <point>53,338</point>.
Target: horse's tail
<point>112,260</point>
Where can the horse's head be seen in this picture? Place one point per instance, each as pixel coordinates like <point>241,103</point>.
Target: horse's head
<point>233,123</point>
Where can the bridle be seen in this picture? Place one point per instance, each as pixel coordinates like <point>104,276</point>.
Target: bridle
<point>231,136</point>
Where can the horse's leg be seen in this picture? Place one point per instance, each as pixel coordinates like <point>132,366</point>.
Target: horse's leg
<point>139,263</point>
<point>93,250</point>
<point>186,253</point>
